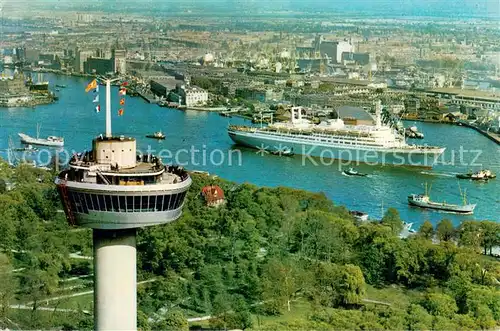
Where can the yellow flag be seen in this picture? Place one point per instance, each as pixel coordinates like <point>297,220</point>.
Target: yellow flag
<point>92,85</point>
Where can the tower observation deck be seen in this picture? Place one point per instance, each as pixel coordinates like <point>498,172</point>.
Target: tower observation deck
<point>114,191</point>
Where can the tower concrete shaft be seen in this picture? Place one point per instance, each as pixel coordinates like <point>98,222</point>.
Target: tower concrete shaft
<point>115,280</point>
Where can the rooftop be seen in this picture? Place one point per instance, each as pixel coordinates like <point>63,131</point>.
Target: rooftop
<point>354,112</point>
<point>114,138</point>
<point>468,93</point>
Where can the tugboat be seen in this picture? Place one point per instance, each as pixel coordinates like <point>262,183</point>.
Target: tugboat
<point>423,201</point>
<point>352,172</point>
<point>157,135</point>
<point>412,132</point>
<point>478,175</point>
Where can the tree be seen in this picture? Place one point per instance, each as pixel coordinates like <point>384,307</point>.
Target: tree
<point>3,186</point>
<point>232,313</point>
<point>440,304</point>
<point>174,321</point>
<point>426,230</point>
<point>418,318</point>
<point>445,230</point>
<point>393,220</point>
<point>482,299</point>
<point>490,235</point>
<point>470,234</point>
<point>460,286</point>
<point>7,286</point>
<point>443,323</point>
<point>282,280</point>
<point>352,285</point>
<point>338,285</point>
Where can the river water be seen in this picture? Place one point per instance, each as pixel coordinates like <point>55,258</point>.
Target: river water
<point>203,135</point>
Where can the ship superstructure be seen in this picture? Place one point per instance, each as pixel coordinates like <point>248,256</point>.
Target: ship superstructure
<point>371,144</point>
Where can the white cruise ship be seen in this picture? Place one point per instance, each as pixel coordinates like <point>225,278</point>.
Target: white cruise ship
<point>376,144</point>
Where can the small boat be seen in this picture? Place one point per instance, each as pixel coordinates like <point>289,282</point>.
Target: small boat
<point>225,114</point>
<point>58,90</point>
<point>283,152</point>
<point>352,172</point>
<point>29,149</point>
<point>412,132</point>
<point>478,175</point>
<point>157,135</point>
<point>61,86</point>
<point>424,201</point>
<point>359,215</point>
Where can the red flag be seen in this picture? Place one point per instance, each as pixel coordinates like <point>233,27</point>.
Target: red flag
<point>122,102</point>
<point>120,112</point>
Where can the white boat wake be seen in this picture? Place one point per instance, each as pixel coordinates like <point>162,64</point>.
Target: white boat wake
<point>442,174</point>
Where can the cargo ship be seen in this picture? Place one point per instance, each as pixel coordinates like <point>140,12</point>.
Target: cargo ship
<point>424,201</point>
<point>377,144</point>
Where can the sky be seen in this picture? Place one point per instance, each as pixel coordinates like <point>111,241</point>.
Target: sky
<point>440,8</point>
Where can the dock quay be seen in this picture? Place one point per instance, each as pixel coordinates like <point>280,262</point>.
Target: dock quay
<point>149,97</point>
<point>492,136</point>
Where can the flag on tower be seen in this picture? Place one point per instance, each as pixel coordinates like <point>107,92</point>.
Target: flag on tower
<point>91,85</point>
<point>96,99</point>
<point>122,102</point>
<point>122,92</point>
<point>97,108</point>
<point>120,112</point>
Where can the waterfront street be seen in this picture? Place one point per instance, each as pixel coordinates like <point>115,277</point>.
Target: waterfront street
<point>73,117</point>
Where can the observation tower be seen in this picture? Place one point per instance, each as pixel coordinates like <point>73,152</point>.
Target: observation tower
<point>114,191</point>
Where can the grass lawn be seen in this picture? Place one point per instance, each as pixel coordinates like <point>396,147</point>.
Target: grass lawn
<point>84,302</point>
<point>397,296</point>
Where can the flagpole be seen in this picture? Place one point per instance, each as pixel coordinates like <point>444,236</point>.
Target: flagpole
<point>108,108</point>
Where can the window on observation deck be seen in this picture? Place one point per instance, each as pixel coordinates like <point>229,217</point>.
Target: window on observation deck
<point>166,201</point>
<point>130,203</point>
<point>137,204</point>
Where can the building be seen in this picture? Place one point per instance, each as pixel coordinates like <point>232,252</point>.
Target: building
<point>84,18</point>
<point>358,58</point>
<point>193,96</point>
<point>333,50</point>
<point>454,116</point>
<point>213,195</point>
<point>162,86</point>
<point>13,91</point>
<point>119,57</point>
<point>469,98</point>
<point>354,116</point>
<point>100,66</point>
<point>80,58</point>
<point>31,55</point>
<point>13,85</point>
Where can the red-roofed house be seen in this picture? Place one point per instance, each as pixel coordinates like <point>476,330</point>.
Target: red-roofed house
<point>214,195</point>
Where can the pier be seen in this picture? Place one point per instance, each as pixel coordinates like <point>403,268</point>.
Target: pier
<point>492,136</point>
<point>149,97</point>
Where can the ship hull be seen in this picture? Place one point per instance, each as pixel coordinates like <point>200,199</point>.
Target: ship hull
<point>465,209</point>
<point>313,150</point>
<point>25,139</point>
